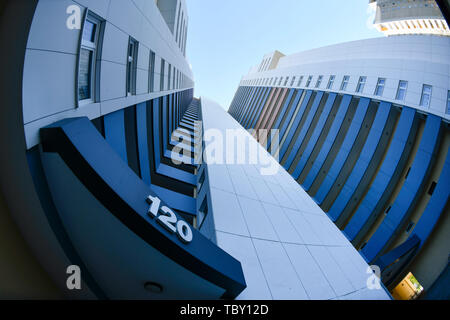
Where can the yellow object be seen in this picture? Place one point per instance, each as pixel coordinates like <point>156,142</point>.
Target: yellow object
<point>408,289</point>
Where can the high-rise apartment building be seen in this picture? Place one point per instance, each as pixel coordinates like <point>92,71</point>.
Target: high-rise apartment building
<point>364,129</point>
<point>117,183</point>
<point>103,176</point>
<point>394,17</point>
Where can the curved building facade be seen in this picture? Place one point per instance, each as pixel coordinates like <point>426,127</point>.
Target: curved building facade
<point>95,90</point>
<point>364,129</point>
<point>103,194</point>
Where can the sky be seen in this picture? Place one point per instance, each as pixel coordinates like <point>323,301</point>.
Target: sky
<point>227,37</point>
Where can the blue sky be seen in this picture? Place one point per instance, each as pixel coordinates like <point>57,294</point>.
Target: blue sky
<point>227,37</point>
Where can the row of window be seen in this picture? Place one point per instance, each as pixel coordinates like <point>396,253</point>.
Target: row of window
<point>425,97</point>
<point>181,30</point>
<point>89,55</point>
<point>264,64</point>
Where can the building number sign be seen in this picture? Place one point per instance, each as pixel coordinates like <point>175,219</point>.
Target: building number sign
<point>167,218</point>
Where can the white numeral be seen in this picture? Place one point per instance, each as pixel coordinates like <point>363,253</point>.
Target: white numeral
<point>169,220</point>
<point>184,231</point>
<point>155,203</point>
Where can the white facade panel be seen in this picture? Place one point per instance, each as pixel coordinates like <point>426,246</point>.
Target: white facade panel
<point>51,58</point>
<point>418,59</point>
<point>271,222</point>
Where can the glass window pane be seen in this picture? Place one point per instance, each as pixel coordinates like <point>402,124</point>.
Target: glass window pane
<point>84,76</point>
<point>380,87</point>
<point>161,80</point>
<point>448,102</point>
<point>89,31</point>
<point>426,96</point>
<point>401,91</point>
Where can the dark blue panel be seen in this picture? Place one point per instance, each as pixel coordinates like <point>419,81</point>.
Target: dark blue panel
<point>410,191</point>
<point>240,99</point>
<point>254,107</point>
<point>171,112</point>
<point>250,104</point>
<point>344,150</point>
<point>304,130</point>
<point>176,200</point>
<point>291,111</point>
<point>295,124</point>
<point>284,109</point>
<point>248,101</point>
<point>315,136</point>
<point>394,262</point>
<point>259,110</point>
<point>165,129</point>
<point>329,141</point>
<point>115,133</point>
<point>124,194</point>
<point>363,162</point>
<point>439,289</point>
<point>54,220</point>
<point>386,177</point>
<point>162,168</point>
<point>436,206</point>
<point>281,114</point>
<point>141,125</point>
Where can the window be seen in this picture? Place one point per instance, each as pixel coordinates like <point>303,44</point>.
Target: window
<point>201,181</point>
<point>432,187</point>
<point>89,51</point>
<point>169,76</point>
<point>151,72</point>
<point>132,66</point>
<point>281,79</point>
<point>319,81</point>
<point>380,87</point>
<point>345,82</point>
<point>401,90</point>
<point>330,82</point>
<point>388,209</point>
<point>275,82</point>
<point>447,111</point>
<point>361,83</point>
<point>292,81</point>
<point>202,213</point>
<point>286,81</point>
<point>426,96</point>
<point>409,227</point>
<point>407,173</point>
<point>161,75</point>
<point>308,82</point>
<point>300,81</point>
<point>175,80</point>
